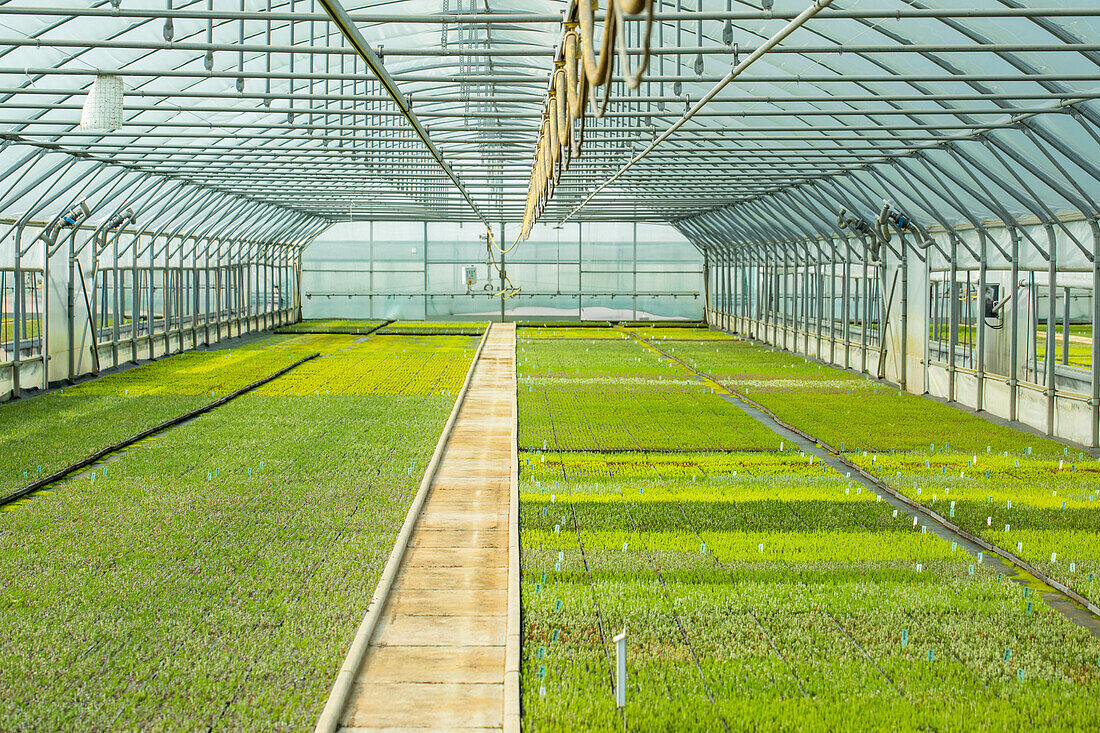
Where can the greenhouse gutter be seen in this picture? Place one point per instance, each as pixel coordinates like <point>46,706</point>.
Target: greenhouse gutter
<point>329,720</point>
<point>148,432</point>
<point>916,507</point>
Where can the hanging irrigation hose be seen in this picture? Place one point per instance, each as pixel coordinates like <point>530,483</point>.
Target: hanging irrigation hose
<point>578,72</point>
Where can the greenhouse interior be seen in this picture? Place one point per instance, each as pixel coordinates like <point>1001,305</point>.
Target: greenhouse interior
<point>722,365</point>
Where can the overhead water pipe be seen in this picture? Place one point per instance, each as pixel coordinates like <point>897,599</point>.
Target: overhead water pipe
<point>733,73</point>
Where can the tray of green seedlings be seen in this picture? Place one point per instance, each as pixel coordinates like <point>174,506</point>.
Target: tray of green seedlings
<point>693,334</point>
<point>1045,510</point>
<point>619,396</point>
<point>234,555</point>
<point>590,359</point>
<point>322,343</point>
<point>43,434</point>
<point>398,365</point>
<point>569,333</point>
<point>845,410</point>
<point>791,598</point>
<point>337,326</point>
<point>523,325</point>
<point>662,324</point>
<point>434,328</point>
<point>685,419</point>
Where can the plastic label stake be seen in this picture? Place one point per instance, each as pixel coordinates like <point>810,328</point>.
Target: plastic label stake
<point>620,669</point>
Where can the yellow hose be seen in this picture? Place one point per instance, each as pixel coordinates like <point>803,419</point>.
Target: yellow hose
<point>562,106</point>
<point>574,79</point>
<point>598,72</point>
<point>633,78</point>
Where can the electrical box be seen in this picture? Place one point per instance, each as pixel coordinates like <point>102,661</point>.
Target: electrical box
<point>471,274</point>
<point>992,297</point>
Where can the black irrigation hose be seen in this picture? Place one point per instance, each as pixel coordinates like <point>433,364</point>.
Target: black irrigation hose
<point>913,505</point>
<point>104,452</point>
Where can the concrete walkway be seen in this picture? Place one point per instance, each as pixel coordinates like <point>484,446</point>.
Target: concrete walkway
<point>437,659</point>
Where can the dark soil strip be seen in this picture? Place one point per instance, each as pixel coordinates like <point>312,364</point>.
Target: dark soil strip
<point>171,423</point>
<point>1069,602</point>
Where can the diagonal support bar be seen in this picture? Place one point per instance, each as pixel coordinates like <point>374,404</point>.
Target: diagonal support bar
<point>347,27</point>
<point>796,23</point>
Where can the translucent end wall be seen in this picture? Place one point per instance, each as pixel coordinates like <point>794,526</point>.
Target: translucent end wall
<point>587,271</point>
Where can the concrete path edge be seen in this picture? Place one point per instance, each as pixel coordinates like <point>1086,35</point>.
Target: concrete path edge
<point>329,719</point>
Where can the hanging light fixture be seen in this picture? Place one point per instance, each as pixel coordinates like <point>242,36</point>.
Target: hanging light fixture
<point>103,107</point>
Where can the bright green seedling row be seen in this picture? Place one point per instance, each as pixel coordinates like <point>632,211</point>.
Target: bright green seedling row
<point>673,333</point>
<point>1046,511</point>
<point>332,326</point>
<point>605,395</point>
<point>567,420</point>
<point>433,328</point>
<point>582,469</point>
<point>43,434</point>
<point>405,365</point>
<point>560,332</point>
<point>595,357</point>
<point>883,419</point>
<point>238,575</point>
<point>791,612</point>
<point>748,364</point>
<point>850,411</point>
<point>766,588</point>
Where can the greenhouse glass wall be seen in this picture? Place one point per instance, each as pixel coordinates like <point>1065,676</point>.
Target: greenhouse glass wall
<point>594,272</point>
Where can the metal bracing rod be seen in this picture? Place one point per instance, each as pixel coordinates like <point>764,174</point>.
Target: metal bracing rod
<point>515,17</point>
<point>20,192</point>
<point>537,77</point>
<point>74,193</point>
<point>28,216</point>
<point>21,164</point>
<point>4,204</point>
<point>539,50</point>
<point>347,27</point>
<point>536,100</point>
<point>194,199</point>
<point>921,200</point>
<point>684,162</point>
<point>201,131</point>
<point>482,114</point>
<point>688,170</point>
<point>112,181</point>
<point>988,196</point>
<point>165,203</point>
<point>467,154</point>
<point>944,191</point>
<point>128,183</point>
<point>962,155</point>
<point>1046,214</point>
